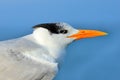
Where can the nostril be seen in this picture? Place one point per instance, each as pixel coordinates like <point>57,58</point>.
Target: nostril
<point>82,31</point>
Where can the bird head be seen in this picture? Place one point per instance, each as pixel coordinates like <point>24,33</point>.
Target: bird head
<point>59,35</point>
<point>62,33</point>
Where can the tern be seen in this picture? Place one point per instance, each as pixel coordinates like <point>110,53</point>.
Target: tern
<point>34,56</point>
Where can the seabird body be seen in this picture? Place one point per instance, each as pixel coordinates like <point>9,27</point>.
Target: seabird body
<point>34,56</point>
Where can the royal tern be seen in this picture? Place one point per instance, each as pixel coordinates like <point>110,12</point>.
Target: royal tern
<point>34,56</point>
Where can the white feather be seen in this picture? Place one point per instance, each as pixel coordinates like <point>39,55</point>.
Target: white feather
<point>33,57</point>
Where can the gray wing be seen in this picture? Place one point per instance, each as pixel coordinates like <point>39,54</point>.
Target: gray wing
<point>47,76</point>
<point>15,66</point>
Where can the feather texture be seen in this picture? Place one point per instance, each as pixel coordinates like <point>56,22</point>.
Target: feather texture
<point>28,62</point>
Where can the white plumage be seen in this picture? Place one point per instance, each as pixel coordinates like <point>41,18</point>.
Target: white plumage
<point>34,57</point>
<point>22,59</point>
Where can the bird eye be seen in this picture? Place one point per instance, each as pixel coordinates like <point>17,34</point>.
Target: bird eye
<point>63,31</point>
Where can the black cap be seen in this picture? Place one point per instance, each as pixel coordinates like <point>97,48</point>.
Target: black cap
<point>52,27</point>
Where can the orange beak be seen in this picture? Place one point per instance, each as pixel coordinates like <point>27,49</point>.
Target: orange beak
<point>87,34</point>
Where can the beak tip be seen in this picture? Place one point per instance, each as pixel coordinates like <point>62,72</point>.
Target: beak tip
<point>105,33</point>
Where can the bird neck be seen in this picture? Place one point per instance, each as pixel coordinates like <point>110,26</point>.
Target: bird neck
<point>54,48</point>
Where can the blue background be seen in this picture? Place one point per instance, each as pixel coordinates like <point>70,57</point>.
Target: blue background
<point>86,59</point>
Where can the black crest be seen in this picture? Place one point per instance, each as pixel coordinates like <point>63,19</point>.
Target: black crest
<point>52,27</point>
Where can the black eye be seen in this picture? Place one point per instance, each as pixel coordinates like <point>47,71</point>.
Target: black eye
<point>63,31</point>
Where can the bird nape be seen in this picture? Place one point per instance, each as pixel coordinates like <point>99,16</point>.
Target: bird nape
<point>34,56</point>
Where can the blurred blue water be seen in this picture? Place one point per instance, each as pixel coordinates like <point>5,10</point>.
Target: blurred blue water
<point>86,59</point>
